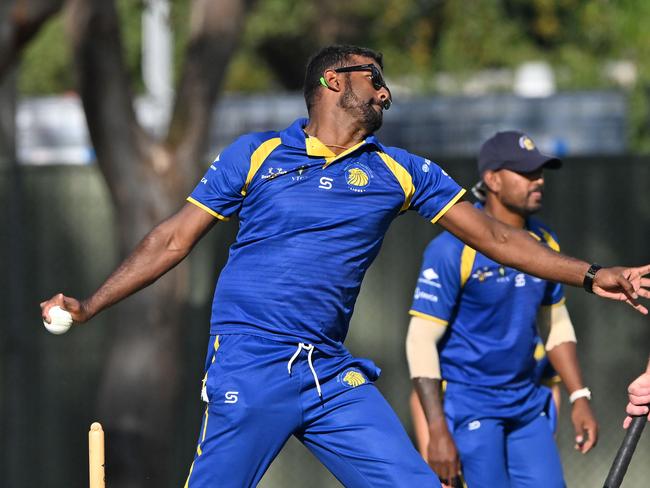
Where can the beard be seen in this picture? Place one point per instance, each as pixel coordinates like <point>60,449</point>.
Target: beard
<point>370,118</point>
<point>534,205</point>
<point>525,205</point>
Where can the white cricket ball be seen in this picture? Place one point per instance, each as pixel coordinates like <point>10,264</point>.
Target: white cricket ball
<point>61,320</point>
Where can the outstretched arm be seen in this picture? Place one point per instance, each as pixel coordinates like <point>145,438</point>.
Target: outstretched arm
<point>516,248</point>
<point>160,250</point>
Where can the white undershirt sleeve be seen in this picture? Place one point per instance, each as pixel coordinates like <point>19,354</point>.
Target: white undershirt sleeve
<point>555,325</point>
<point>421,348</point>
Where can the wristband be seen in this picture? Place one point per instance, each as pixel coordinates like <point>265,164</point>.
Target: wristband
<point>588,282</point>
<point>581,393</point>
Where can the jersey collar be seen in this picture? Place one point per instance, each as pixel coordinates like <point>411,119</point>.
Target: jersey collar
<point>294,136</point>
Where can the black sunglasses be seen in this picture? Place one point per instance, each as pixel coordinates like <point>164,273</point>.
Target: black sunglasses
<point>375,75</point>
<point>377,79</point>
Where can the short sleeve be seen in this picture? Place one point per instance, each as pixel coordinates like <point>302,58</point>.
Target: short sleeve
<point>427,188</point>
<point>553,294</point>
<point>438,283</point>
<point>435,191</point>
<point>220,190</point>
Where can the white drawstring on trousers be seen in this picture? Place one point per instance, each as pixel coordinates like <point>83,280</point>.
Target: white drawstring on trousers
<point>310,349</point>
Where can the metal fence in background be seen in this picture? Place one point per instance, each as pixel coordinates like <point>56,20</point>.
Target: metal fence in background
<point>580,123</point>
<point>52,130</point>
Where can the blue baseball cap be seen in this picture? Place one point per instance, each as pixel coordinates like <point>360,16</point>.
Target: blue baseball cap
<point>515,151</point>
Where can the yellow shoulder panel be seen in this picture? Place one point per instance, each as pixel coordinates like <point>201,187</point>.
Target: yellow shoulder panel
<point>258,157</point>
<point>467,258</point>
<point>552,243</point>
<point>403,177</point>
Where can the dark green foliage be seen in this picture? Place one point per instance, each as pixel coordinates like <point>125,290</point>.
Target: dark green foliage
<point>420,39</point>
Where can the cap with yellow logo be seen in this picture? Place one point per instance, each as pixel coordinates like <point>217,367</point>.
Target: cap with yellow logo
<point>515,151</point>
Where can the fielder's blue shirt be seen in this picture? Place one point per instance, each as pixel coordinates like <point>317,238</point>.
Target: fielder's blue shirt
<point>310,225</point>
<point>490,310</point>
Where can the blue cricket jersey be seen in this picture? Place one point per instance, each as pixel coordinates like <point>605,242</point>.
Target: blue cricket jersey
<point>310,225</point>
<point>490,310</point>
<point>544,373</point>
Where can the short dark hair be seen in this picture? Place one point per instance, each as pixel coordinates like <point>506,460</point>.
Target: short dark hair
<point>334,56</point>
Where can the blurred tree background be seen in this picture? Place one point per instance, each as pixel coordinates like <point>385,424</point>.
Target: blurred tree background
<point>431,46</point>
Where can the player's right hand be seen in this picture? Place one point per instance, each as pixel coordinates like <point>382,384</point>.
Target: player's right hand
<point>442,455</point>
<point>624,284</point>
<point>639,396</point>
<point>71,305</point>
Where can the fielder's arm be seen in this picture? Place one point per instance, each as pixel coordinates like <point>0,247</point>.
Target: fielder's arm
<point>158,252</point>
<point>555,326</point>
<point>516,248</point>
<point>432,436</point>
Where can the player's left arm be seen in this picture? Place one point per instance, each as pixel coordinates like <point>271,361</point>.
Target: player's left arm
<point>420,425</point>
<point>564,359</point>
<point>556,330</point>
<point>516,248</point>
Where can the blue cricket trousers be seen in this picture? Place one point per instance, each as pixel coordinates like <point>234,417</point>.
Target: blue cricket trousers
<point>504,436</point>
<point>260,392</point>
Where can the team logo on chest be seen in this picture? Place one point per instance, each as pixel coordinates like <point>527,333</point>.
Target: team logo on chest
<point>358,177</point>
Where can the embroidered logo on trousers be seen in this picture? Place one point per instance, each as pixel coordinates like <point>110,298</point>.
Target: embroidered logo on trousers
<point>231,397</point>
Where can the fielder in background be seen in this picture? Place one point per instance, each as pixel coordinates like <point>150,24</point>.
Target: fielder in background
<point>544,376</point>
<point>474,324</point>
<point>314,202</point>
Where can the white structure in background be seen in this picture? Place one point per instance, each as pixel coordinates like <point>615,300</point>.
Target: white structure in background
<point>534,79</point>
<point>623,72</point>
<point>52,130</point>
<point>156,66</point>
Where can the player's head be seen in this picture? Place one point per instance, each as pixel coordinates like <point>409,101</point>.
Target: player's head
<point>511,169</point>
<point>351,77</point>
